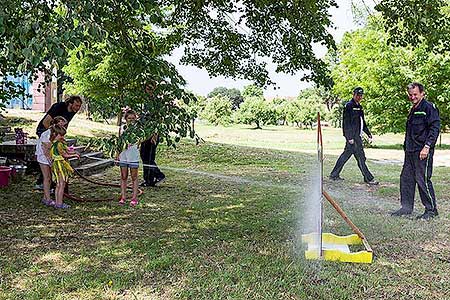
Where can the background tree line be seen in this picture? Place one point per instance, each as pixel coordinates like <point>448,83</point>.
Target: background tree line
<point>229,106</point>
<point>114,53</point>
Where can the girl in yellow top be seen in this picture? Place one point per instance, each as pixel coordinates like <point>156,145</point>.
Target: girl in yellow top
<point>61,168</point>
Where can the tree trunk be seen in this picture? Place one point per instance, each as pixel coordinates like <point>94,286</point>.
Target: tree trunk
<point>120,115</point>
<point>119,118</point>
<point>88,112</point>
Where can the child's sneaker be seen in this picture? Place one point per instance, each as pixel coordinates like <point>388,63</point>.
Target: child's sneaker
<point>134,202</point>
<point>61,206</point>
<point>122,201</point>
<point>48,202</point>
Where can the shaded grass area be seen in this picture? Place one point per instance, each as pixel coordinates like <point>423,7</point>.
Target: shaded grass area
<point>79,126</point>
<point>230,232</point>
<point>16,122</point>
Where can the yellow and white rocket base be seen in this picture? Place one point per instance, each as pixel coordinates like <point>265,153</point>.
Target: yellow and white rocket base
<point>336,248</point>
<point>328,246</point>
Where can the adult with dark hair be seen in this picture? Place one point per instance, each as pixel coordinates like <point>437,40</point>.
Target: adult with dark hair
<point>353,127</point>
<point>67,110</point>
<point>422,130</point>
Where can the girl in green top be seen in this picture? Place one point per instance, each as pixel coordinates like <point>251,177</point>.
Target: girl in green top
<point>61,168</point>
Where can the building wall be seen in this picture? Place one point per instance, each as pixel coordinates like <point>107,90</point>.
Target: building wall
<point>39,97</point>
<point>40,101</point>
<point>23,102</point>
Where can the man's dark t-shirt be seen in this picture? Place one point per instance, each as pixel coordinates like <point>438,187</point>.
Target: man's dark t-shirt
<point>57,109</point>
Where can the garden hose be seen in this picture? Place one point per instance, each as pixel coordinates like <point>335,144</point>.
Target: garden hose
<point>79,199</point>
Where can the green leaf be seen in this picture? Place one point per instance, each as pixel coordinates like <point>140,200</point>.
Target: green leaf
<point>59,51</point>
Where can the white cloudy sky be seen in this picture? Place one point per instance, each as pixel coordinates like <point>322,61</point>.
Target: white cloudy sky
<point>288,85</point>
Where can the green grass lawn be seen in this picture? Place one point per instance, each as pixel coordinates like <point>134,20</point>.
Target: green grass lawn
<point>223,226</point>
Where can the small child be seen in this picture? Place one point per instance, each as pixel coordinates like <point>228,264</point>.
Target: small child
<point>44,159</point>
<point>61,168</point>
<point>129,159</point>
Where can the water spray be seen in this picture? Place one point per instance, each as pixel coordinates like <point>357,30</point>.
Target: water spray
<point>328,246</point>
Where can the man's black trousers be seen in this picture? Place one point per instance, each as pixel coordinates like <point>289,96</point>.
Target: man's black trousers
<point>417,172</point>
<point>148,156</point>
<point>357,150</point>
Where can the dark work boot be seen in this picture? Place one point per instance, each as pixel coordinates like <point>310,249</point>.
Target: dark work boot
<point>401,212</point>
<point>428,215</point>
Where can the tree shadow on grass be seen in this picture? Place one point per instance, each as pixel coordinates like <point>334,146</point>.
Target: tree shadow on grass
<point>197,237</point>
<point>104,248</point>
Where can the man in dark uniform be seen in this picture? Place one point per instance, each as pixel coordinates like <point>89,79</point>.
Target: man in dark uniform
<point>422,130</point>
<point>66,109</point>
<point>353,127</point>
<point>152,175</point>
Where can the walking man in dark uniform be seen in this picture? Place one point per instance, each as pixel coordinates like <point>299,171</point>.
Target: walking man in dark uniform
<point>353,127</point>
<point>422,130</point>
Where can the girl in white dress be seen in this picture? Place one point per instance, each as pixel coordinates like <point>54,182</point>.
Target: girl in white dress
<point>129,159</point>
<point>43,158</point>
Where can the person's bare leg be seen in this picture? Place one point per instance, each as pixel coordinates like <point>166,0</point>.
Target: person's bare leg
<point>47,175</point>
<point>134,182</point>
<point>59,193</point>
<point>123,181</point>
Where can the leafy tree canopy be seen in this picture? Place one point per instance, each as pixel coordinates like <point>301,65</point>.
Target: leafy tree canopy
<point>234,95</point>
<point>280,106</point>
<point>258,111</point>
<point>228,38</point>
<point>251,91</point>
<point>111,79</point>
<point>412,22</point>
<point>217,110</point>
<point>367,59</point>
<point>303,111</point>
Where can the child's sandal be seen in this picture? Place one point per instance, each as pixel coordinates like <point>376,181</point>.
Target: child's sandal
<point>134,202</point>
<point>122,201</point>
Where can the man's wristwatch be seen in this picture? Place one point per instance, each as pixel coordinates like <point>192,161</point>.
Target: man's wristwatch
<point>427,146</point>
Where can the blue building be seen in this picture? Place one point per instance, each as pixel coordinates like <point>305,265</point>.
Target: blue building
<point>23,102</point>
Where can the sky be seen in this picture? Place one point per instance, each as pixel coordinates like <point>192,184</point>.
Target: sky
<point>199,82</point>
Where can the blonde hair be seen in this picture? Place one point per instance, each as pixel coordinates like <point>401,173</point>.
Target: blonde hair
<point>58,119</point>
<point>57,130</point>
